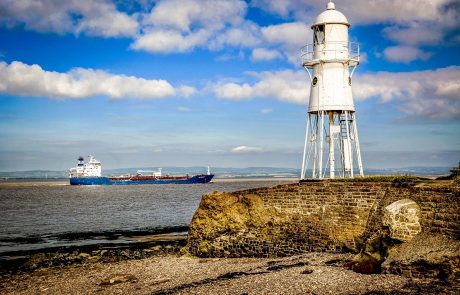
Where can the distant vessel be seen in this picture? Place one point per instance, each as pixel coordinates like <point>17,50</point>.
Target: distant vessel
<point>90,174</point>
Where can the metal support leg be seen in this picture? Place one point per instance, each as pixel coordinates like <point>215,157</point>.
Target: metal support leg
<point>315,147</point>
<point>321,140</point>
<point>305,165</point>
<point>348,143</point>
<point>331,146</point>
<point>358,151</point>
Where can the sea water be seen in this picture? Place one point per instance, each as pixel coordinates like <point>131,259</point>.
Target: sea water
<point>36,217</point>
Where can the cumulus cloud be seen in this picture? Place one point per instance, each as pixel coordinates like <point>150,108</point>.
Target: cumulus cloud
<point>404,54</point>
<point>290,37</point>
<point>414,23</point>
<point>263,54</point>
<point>433,94</point>
<point>414,33</point>
<point>183,25</point>
<point>169,26</point>
<point>291,34</point>
<point>186,91</point>
<point>98,17</point>
<point>287,85</point>
<point>368,12</point>
<point>242,149</point>
<point>282,8</point>
<point>167,41</point>
<point>21,79</point>
<point>245,35</point>
<point>183,15</point>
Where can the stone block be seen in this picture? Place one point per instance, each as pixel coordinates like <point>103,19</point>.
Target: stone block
<point>402,218</point>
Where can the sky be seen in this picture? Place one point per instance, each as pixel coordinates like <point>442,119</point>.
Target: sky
<point>195,82</point>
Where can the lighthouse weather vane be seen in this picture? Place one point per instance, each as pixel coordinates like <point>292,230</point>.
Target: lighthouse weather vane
<point>331,141</point>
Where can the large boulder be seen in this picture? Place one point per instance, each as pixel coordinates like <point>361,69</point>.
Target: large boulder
<point>223,218</point>
<point>402,219</point>
<point>220,213</point>
<point>426,255</point>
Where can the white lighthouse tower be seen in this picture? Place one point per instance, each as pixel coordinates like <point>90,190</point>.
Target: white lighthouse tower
<point>331,142</point>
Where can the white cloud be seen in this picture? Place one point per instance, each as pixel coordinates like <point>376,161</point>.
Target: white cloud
<point>215,25</point>
<point>433,94</point>
<point>229,56</point>
<point>404,54</point>
<point>391,10</point>
<point>290,37</point>
<point>266,111</point>
<point>98,17</point>
<point>414,33</point>
<point>287,85</point>
<point>415,22</point>
<point>167,41</point>
<point>183,109</point>
<point>360,11</point>
<point>242,149</point>
<point>183,15</point>
<point>282,8</point>
<point>187,91</point>
<point>18,78</point>
<point>245,35</point>
<point>183,25</point>
<point>291,34</point>
<point>234,91</point>
<point>263,54</point>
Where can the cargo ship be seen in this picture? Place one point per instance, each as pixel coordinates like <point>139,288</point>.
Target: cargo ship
<point>90,173</point>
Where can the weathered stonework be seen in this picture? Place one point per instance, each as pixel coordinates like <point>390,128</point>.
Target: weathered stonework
<point>426,255</point>
<point>402,219</point>
<point>332,216</point>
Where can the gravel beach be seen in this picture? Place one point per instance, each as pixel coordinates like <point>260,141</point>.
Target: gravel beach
<point>312,273</point>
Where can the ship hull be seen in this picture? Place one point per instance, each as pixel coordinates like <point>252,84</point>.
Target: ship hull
<point>111,181</point>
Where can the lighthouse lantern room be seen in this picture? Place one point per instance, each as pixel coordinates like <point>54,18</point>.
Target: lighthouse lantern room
<point>331,141</point>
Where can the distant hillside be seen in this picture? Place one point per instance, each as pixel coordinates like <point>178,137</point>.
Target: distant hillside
<point>224,172</point>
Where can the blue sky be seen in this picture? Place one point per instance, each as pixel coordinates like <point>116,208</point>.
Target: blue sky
<point>220,83</point>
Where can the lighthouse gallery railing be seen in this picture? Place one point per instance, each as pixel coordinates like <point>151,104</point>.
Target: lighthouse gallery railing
<point>332,50</point>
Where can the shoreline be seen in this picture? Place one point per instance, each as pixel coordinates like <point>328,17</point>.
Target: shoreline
<point>137,247</point>
<point>26,182</point>
<point>310,273</point>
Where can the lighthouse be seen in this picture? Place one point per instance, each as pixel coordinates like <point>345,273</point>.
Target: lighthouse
<point>331,146</point>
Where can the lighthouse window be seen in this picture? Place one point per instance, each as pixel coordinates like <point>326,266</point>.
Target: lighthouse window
<point>315,80</point>
<point>319,35</point>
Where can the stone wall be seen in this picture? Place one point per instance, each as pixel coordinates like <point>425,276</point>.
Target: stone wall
<point>332,216</point>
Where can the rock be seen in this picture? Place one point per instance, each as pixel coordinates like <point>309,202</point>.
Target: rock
<point>36,261</point>
<point>224,215</point>
<point>93,259</point>
<point>118,278</point>
<point>223,212</point>
<point>426,255</point>
<point>84,255</point>
<point>365,264</point>
<point>402,218</point>
<point>307,271</point>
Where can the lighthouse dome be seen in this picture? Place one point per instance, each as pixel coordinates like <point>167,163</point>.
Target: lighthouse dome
<point>331,16</point>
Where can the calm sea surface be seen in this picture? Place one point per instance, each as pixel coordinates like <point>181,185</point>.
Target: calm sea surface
<point>34,217</point>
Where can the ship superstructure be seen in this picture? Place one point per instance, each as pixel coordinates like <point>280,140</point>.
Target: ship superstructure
<point>92,168</point>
